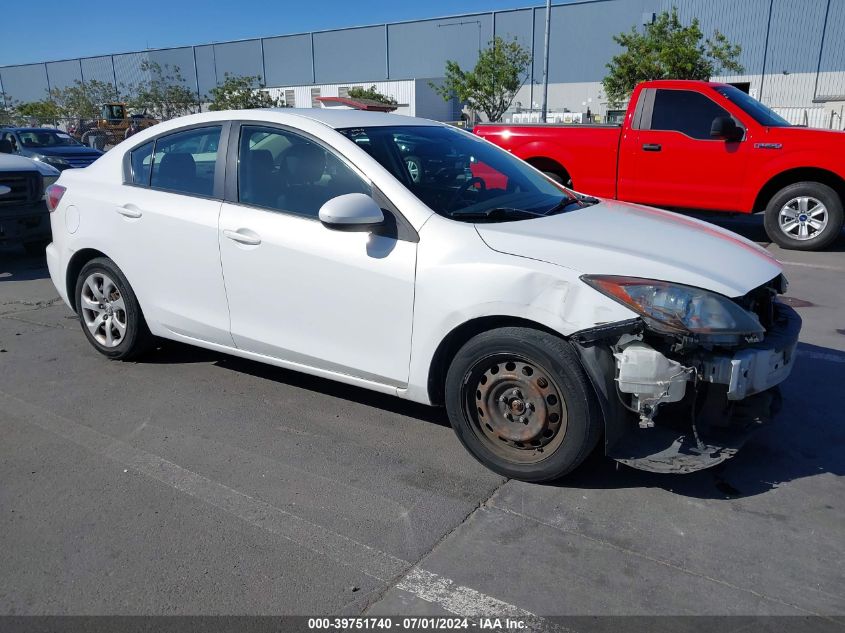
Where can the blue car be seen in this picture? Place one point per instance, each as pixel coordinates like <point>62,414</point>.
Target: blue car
<point>50,146</point>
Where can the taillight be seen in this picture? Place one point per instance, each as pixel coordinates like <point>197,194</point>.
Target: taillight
<point>54,196</point>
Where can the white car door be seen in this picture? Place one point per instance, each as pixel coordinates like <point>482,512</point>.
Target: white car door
<point>166,232</point>
<point>301,292</point>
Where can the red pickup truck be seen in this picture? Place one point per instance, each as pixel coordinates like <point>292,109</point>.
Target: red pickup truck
<point>698,145</point>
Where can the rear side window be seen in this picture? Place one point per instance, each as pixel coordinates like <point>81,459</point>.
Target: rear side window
<point>141,159</point>
<point>184,162</point>
<point>684,111</point>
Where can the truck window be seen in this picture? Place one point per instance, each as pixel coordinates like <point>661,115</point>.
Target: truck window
<point>684,111</point>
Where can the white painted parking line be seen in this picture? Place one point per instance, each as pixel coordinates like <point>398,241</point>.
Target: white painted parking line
<point>467,602</point>
<point>425,585</point>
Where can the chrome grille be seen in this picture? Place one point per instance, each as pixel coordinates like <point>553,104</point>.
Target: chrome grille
<point>80,161</point>
<point>25,187</point>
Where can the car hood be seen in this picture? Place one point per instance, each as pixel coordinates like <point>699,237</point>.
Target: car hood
<point>616,238</point>
<point>13,162</point>
<point>66,150</point>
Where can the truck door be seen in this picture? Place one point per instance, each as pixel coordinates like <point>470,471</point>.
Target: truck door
<point>671,160</point>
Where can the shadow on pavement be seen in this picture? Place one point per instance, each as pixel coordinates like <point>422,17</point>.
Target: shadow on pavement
<point>16,265</point>
<point>170,352</point>
<point>806,439</point>
<point>751,227</point>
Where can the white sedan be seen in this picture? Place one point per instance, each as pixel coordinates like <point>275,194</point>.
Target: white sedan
<point>415,259</point>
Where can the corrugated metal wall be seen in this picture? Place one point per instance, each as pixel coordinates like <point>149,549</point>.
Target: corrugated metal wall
<point>793,50</point>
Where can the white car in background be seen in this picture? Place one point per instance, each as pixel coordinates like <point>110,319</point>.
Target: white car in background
<point>543,319</point>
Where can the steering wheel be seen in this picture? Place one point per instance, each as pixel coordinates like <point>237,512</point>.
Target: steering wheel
<point>475,180</point>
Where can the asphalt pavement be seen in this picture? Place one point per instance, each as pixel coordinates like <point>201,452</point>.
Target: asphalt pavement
<point>191,482</point>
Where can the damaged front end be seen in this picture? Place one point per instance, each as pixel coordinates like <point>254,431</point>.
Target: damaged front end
<point>684,386</point>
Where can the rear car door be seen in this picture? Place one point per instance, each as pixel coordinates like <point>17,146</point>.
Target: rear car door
<point>165,231</point>
<point>672,161</point>
<point>299,291</point>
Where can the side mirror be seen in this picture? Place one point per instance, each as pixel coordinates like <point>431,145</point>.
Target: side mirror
<point>5,146</point>
<point>724,127</point>
<point>351,212</point>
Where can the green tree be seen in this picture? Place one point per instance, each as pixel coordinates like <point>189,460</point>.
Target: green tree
<point>9,112</point>
<point>38,112</point>
<point>164,95</point>
<point>83,100</point>
<point>667,49</point>
<point>499,73</point>
<point>241,92</point>
<point>371,94</point>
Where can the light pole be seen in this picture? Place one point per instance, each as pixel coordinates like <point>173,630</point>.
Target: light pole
<point>546,61</point>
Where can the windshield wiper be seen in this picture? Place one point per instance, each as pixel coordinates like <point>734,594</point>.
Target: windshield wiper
<point>580,200</point>
<point>496,212</point>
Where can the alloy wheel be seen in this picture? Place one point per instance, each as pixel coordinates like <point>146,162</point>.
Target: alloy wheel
<point>803,218</point>
<point>103,310</point>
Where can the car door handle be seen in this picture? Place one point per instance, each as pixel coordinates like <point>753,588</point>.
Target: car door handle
<point>242,237</point>
<point>652,147</point>
<point>129,211</point>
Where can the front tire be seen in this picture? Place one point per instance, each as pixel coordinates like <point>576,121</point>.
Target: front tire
<point>109,312</point>
<point>804,216</point>
<point>520,402</point>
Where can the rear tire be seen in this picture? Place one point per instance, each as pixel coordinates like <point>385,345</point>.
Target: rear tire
<point>109,312</point>
<point>804,216</point>
<point>521,404</point>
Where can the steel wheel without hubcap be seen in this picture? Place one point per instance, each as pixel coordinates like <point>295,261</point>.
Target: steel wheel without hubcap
<point>103,310</point>
<point>515,408</point>
<point>803,218</point>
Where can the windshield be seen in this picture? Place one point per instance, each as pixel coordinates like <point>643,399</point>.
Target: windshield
<point>752,107</point>
<point>460,176</point>
<point>45,138</point>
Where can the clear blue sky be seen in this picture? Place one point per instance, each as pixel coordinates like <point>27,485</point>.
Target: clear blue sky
<point>58,29</point>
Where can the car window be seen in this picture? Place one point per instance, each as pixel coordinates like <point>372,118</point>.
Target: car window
<point>457,174</point>
<point>184,162</point>
<point>287,172</point>
<point>141,158</point>
<point>685,111</point>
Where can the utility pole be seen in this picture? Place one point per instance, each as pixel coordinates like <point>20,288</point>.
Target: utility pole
<point>544,112</point>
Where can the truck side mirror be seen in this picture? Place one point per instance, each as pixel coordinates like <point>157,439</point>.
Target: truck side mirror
<point>725,128</point>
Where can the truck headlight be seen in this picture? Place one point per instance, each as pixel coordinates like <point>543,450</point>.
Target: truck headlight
<point>678,309</point>
<point>55,161</point>
<point>47,181</point>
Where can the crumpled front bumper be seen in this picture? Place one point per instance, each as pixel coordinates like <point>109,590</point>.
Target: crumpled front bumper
<point>761,366</point>
<point>731,395</point>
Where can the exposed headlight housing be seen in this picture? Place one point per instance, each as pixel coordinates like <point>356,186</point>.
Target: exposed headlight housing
<point>670,308</point>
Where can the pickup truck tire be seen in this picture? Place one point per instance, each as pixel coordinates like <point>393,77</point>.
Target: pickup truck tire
<point>109,312</point>
<point>521,404</point>
<point>559,179</point>
<point>804,216</point>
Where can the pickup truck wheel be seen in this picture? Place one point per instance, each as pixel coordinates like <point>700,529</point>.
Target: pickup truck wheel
<point>109,312</point>
<point>804,216</point>
<point>521,404</point>
<point>567,182</point>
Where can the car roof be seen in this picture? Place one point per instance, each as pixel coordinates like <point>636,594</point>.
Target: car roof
<point>342,118</point>
<point>34,129</point>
